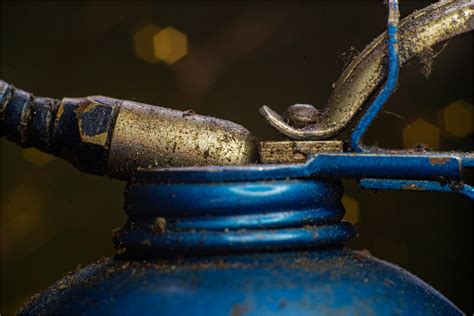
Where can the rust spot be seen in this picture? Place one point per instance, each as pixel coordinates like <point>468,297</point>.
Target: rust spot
<point>159,226</point>
<point>413,187</point>
<point>438,160</point>
<point>388,282</point>
<point>239,309</point>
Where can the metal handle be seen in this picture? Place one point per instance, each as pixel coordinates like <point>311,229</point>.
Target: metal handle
<point>418,32</point>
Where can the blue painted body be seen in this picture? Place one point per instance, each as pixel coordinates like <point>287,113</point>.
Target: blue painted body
<point>263,247</point>
<point>320,282</point>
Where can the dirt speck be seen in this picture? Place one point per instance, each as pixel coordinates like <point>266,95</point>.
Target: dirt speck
<point>413,187</point>
<point>388,282</point>
<point>159,226</point>
<point>239,309</point>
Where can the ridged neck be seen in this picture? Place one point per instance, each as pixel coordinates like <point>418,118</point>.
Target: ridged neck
<point>226,217</point>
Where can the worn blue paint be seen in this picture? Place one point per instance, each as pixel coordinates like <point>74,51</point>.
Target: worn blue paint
<point>401,167</point>
<point>234,248</point>
<point>231,198</point>
<point>417,185</point>
<point>320,282</point>
<point>41,124</point>
<point>341,165</point>
<point>139,242</point>
<point>467,160</point>
<point>231,216</point>
<point>265,220</point>
<point>97,120</point>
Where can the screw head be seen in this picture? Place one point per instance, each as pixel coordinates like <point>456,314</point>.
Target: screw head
<point>301,115</point>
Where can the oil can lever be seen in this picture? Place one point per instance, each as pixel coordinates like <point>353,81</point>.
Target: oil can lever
<point>361,78</point>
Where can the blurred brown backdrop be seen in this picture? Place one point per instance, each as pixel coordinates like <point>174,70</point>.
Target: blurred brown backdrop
<point>223,59</point>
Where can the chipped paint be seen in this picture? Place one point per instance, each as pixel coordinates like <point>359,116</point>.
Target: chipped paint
<point>95,123</point>
<point>413,187</point>
<point>439,160</point>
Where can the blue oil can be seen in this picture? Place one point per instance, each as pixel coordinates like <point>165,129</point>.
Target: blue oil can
<point>259,247</point>
<point>249,238</point>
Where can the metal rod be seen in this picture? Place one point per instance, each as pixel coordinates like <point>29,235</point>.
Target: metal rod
<point>390,84</point>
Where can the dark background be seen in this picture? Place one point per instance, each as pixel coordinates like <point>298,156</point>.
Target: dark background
<point>240,55</point>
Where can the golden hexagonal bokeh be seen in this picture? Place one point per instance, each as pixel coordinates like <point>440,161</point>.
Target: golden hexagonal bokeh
<point>170,45</point>
<point>152,43</point>
<point>421,132</point>
<point>352,209</point>
<point>143,43</point>
<point>36,157</point>
<point>457,118</point>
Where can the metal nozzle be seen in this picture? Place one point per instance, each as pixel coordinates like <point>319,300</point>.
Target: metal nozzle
<point>106,136</point>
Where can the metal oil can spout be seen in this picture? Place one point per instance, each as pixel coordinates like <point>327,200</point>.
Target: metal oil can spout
<point>112,137</point>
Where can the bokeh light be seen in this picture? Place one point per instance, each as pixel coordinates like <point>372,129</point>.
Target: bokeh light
<point>152,44</point>
<point>143,43</point>
<point>170,45</point>
<point>457,118</point>
<point>421,132</point>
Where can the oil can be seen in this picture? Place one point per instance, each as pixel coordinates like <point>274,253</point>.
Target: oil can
<point>237,247</point>
<point>245,239</point>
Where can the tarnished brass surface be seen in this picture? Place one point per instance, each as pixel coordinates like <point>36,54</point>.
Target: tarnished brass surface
<point>296,151</point>
<point>107,136</point>
<point>147,136</point>
<point>418,32</point>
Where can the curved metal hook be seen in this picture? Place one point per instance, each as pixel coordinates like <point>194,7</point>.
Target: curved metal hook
<point>418,32</point>
<point>390,84</point>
